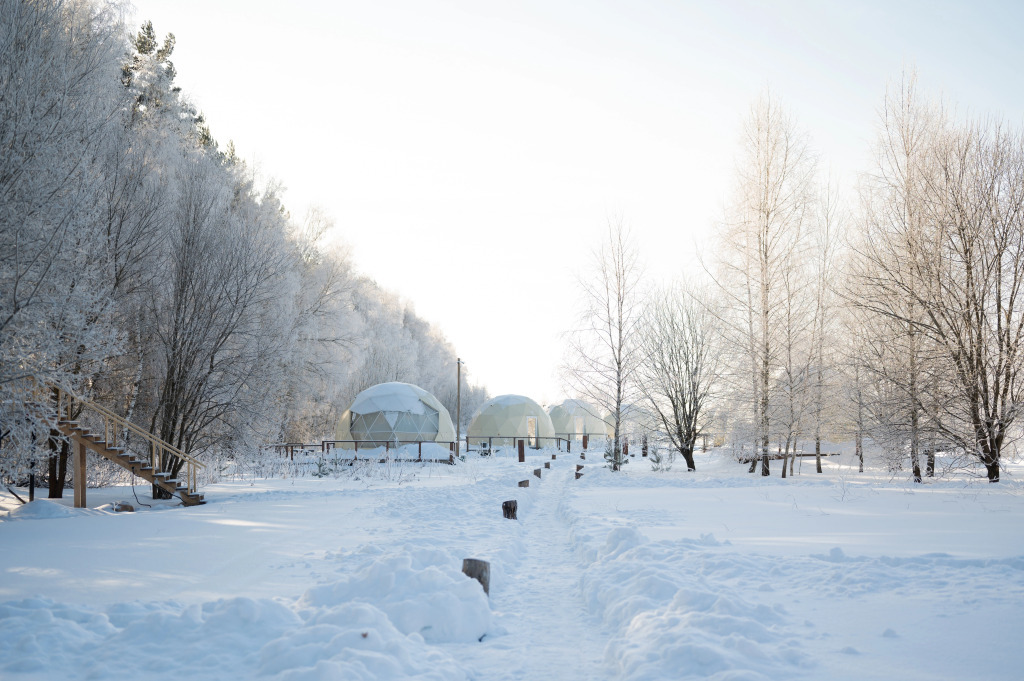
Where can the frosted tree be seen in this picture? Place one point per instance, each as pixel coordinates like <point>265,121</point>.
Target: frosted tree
<point>758,256</point>
<point>57,110</point>
<point>605,349</point>
<point>893,246</point>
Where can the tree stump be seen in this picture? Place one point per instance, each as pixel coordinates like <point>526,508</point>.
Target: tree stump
<point>536,471</point>
<point>480,570</point>
<point>524,483</point>
<point>509,508</point>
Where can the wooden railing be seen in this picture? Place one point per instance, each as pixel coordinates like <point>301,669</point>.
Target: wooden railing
<point>115,426</point>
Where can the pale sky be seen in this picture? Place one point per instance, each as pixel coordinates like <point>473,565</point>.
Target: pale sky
<point>471,153</point>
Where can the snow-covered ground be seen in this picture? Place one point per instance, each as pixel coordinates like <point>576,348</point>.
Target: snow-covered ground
<point>632,575</point>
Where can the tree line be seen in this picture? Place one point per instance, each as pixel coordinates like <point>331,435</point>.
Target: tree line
<point>896,317</point>
<point>146,268</point>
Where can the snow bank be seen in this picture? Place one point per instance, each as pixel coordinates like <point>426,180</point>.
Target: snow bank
<point>354,641</point>
<point>41,509</point>
<point>672,624</point>
<point>421,592</point>
<point>379,623</point>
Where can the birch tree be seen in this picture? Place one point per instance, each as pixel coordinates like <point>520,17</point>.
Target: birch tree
<point>605,350</point>
<point>757,252</point>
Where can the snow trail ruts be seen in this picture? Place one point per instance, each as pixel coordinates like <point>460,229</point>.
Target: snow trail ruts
<point>548,632</point>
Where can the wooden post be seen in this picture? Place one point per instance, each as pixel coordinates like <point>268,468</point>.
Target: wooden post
<point>536,471</point>
<point>579,467</point>
<point>585,437</point>
<point>480,570</point>
<point>547,464</point>
<point>524,483</point>
<point>522,451</point>
<point>579,474</point>
<point>78,470</point>
<point>583,456</point>
<point>554,456</point>
<point>568,446</point>
<point>509,508</point>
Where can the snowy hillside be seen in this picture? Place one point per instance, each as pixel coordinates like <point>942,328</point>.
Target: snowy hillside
<point>630,575</point>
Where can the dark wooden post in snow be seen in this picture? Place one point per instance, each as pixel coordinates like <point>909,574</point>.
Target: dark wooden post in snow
<point>579,467</point>
<point>78,470</point>
<point>585,440</point>
<point>522,451</point>
<point>524,483</point>
<point>547,464</point>
<point>536,471</point>
<point>480,570</point>
<point>554,456</point>
<point>509,508</point>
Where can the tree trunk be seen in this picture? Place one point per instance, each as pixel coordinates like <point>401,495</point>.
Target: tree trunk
<point>817,453</point>
<point>785,459</point>
<point>860,448</point>
<point>688,455</point>
<point>58,472</point>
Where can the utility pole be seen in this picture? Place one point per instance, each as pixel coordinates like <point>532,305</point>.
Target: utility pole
<point>458,404</point>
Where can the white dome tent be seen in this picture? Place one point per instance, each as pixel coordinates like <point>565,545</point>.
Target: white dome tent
<point>505,418</point>
<point>572,419</point>
<point>392,413</point>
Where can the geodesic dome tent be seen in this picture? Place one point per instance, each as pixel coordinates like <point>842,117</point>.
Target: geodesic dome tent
<point>572,419</point>
<point>635,421</point>
<point>395,412</point>
<point>504,418</point>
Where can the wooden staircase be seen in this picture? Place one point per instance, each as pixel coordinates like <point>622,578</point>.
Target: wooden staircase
<point>151,468</point>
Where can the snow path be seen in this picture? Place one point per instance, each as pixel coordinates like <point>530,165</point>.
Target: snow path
<point>548,632</point>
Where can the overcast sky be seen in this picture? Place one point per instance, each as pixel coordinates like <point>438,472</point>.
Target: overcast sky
<point>472,153</point>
